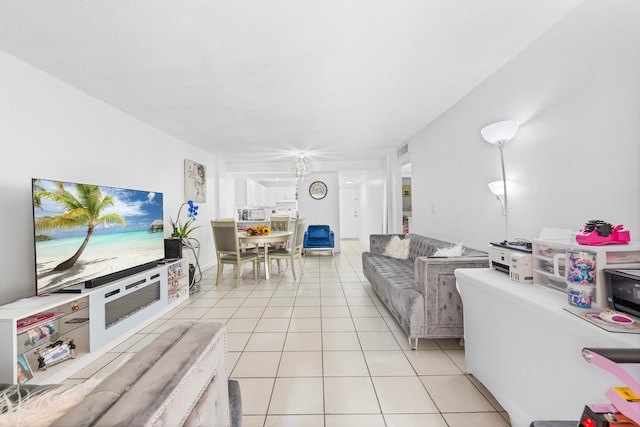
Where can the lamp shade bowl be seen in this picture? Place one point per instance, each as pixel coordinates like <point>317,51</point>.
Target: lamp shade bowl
<point>497,188</point>
<point>500,131</point>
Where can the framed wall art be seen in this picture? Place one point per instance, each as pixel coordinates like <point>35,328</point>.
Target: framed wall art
<point>195,181</point>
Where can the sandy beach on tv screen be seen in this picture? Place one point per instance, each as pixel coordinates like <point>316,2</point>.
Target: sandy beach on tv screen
<point>93,262</point>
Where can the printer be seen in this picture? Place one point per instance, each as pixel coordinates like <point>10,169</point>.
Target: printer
<point>513,258</point>
<point>623,289</point>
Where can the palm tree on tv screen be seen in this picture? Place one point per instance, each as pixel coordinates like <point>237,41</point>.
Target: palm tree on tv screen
<point>83,211</point>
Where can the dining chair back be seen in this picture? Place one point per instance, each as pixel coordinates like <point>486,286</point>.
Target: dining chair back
<point>298,236</point>
<point>228,251</point>
<point>280,222</point>
<point>294,250</point>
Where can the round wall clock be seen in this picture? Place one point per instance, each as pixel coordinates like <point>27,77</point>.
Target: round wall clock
<point>318,190</point>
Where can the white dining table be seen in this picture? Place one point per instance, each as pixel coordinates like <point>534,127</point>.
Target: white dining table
<point>265,239</point>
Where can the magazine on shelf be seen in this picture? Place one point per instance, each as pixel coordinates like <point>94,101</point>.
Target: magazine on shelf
<point>38,334</point>
<point>37,320</point>
<point>24,370</point>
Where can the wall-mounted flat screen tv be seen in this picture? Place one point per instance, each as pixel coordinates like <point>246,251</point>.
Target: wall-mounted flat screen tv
<point>90,234</point>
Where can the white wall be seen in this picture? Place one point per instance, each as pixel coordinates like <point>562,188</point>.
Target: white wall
<point>252,193</point>
<point>576,93</point>
<point>240,185</point>
<point>255,193</point>
<point>249,193</point>
<point>278,194</point>
<point>53,131</point>
<point>324,211</point>
<point>371,219</point>
<point>226,190</point>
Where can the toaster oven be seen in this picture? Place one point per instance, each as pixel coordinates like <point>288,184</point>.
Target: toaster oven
<point>256,214</point>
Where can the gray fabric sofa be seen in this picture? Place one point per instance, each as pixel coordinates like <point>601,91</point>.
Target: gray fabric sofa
<point>180,379</point>
<point>420,292</point>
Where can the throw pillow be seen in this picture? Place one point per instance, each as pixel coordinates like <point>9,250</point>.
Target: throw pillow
<point>454,250</point>
<point>41,407</point>
<point>397,248</point>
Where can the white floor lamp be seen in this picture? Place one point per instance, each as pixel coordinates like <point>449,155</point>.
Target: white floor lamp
<point>499,134</point>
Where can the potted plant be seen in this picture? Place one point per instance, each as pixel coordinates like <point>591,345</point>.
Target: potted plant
<point>180,230</point>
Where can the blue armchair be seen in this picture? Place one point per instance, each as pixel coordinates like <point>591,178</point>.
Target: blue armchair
<point>318,237</point>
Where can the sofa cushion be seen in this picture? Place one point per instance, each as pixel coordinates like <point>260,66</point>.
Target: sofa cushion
<point>423,246</point>
<point>453,250</point>
<point>392,279</point>
<point>391,269</point>
<point>397,248</point>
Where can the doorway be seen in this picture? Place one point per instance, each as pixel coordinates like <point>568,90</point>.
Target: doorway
<point>405,171</point>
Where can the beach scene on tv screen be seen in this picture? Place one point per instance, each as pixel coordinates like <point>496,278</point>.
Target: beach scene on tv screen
<point>86,231</point>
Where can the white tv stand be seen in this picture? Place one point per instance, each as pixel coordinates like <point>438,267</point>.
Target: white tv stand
<point>96,319</point>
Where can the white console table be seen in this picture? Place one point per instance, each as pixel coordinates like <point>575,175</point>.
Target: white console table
<point>522,345</point>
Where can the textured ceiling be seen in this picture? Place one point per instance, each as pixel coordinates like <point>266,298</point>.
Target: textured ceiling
<point>341,79</point>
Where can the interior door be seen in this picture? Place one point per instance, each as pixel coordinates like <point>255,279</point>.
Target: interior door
<point>349,213</point>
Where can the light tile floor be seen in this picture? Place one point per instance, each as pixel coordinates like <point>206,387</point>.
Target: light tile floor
<point>323,351</point>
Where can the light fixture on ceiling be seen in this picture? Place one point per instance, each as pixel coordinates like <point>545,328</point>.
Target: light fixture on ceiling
<point>301,168</point>
<point>499,134</point>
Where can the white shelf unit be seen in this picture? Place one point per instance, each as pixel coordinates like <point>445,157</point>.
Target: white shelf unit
<point>21,343</point>
<point>178,282</point>
<point>95,319</point>
<point>607,256</point>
